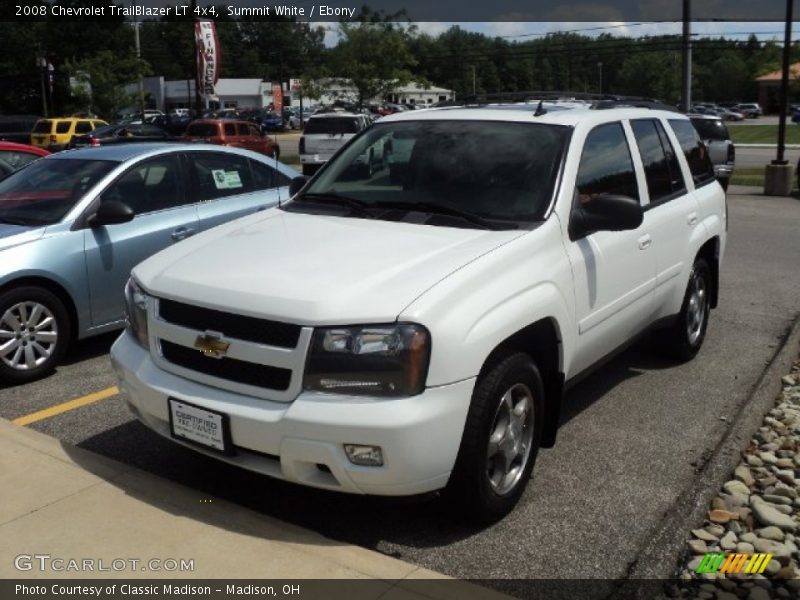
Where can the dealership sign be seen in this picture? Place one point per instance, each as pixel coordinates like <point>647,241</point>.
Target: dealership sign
<point>205,35</point>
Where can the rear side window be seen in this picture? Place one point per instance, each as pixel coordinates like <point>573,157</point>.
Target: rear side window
<point>230,129</point>
<point>695,152</point>
<point>150,186</point>
<point>332,125</point>
<point>606,165</point>
<point>43,127</point>
<point>83,127</point>
<point>62,126</point>
<point>220,175</point>
<point>661,170</point>
<point>711,129</point>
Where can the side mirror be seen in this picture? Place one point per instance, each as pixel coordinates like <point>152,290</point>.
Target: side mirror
<point>111,212</point>
<point>605,212</point>
<point>296,184</point>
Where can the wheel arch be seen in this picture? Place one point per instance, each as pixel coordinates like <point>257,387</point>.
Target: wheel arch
<point>542,341</point>
<point>710,252</point>
<point>55,288</point>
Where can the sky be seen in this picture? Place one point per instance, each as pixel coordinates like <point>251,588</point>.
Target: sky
<point>520,31</point>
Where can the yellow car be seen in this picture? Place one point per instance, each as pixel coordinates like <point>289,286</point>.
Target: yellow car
<point>54,134</point>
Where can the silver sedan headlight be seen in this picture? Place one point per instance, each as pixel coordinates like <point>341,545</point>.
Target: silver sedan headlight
<point>369,360</point>
<point>136,302</point>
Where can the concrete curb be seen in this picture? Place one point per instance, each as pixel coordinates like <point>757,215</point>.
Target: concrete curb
<point>773,146</point>
<point>658,559</point>
<point>65,501</point>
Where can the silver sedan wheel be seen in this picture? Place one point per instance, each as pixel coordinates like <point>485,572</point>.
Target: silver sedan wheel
<point>510,439</point>
<point>28,335</point>
<point>697,308</point>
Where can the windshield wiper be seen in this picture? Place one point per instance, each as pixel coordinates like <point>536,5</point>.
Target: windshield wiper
<point>441,209</point>
<point>362,208</point>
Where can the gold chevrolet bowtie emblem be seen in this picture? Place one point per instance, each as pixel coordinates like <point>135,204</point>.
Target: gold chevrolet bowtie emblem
<point>211,344</point>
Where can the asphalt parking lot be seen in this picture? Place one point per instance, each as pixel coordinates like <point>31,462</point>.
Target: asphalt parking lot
<point>632,438</point>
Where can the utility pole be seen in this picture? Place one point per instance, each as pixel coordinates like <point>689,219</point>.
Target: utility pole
<point>41,64</point>
<point>686,50</point>
<point>787,47</point>
<point>138,57</point>
<point>778,175</point>
<point>473,80</point>
<point>600,78</point>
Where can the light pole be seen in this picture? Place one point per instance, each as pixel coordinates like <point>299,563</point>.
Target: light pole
<point>600,77</point>
<point>139,57</point>
<point>41,64</point>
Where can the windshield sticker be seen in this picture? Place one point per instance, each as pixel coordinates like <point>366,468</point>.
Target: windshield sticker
<point>226,180</point>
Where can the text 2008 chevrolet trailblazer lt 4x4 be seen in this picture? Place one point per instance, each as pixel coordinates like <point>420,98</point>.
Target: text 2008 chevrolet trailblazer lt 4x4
<point>410,327</point>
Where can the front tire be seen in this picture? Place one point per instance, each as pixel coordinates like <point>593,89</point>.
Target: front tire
<point>685,337</point>
<point>34,333</point>
<point>501,438</point>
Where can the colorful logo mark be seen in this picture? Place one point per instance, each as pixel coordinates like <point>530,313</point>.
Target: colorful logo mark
<point>720,562</point>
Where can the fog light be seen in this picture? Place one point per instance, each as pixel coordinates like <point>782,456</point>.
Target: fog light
<point>365,456</point>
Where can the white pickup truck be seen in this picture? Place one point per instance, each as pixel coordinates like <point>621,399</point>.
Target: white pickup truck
<point>411,328</point>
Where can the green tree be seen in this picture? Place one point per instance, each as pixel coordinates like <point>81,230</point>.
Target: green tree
<point>374,58</point>
<point>652,74</point>
<point>107,75</point>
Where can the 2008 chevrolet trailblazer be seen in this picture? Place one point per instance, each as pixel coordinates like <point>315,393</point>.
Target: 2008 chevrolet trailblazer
<point>410,326</point>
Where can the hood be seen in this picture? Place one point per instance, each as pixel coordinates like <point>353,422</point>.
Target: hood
<point>14,235</point>
<point>312,269</point>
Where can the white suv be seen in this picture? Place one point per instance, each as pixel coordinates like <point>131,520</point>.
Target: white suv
<point>412,328</point>
<point>324,134</point>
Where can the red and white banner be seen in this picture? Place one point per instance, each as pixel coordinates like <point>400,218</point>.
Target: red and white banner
<point>277,98</point>
<point>205,35</point>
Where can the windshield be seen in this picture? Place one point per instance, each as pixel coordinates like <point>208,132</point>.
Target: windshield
<point>488,169</point>
<point>331,125</point>
<point>202,130</point>
<point>43,127</point>
<point>44,191</point>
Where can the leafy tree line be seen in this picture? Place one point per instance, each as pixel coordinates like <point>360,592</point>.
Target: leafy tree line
<point>371,52</point>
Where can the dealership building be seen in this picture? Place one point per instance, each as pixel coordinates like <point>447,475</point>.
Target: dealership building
<point>164,95</point>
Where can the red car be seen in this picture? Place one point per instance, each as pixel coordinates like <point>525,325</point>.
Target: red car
<point>228,132</point>
<point>13,156</point>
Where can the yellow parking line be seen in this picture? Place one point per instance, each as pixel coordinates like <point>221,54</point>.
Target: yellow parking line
<point>66,406</point>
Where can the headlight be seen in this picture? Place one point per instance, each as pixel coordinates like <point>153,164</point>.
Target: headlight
<point>136,312</point>
<point>369,360</point>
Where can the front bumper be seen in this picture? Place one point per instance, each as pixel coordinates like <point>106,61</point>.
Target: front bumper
<point>302,441</point>
<point>723,171</point>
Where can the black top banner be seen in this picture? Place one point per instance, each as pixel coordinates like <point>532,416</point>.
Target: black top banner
<point>413,10</point>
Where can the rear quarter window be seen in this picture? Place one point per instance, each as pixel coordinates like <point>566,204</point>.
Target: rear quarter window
<point>711,129</point>
<point>694,150</point>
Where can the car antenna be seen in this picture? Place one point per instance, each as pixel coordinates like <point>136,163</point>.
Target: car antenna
<point>540,110</point>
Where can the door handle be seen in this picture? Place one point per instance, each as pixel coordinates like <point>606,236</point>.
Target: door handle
<point>644,242</point>
<point>181,233</point>
<point>692,218</point>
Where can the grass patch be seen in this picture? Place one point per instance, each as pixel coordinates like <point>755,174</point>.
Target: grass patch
<point>748,176</point>
<point>763,134</point>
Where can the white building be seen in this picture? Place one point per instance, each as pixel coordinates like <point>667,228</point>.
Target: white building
<point>254,93</point>
<point>230,93</point>
<point>411,93</point>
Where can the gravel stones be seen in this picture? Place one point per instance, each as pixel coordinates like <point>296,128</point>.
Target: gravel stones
<point>756,511</point>
<point>769,514</point>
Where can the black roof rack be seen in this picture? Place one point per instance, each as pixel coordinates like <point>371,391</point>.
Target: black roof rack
<point>597,101</point>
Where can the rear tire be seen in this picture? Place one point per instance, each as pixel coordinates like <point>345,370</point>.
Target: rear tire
<point>684,339</point>
<point>35,331</point>
<point>501,439</point>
